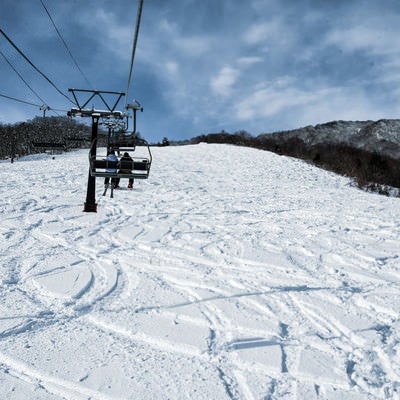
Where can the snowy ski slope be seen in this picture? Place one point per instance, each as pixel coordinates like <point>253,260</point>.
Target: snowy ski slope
<point>231,273</point>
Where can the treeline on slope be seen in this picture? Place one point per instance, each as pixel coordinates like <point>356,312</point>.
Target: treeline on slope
<point>367,151</point>
<point>19,139</point>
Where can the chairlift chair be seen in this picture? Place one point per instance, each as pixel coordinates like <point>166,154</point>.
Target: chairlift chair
<point>139,166</point>
<point>50,147</point>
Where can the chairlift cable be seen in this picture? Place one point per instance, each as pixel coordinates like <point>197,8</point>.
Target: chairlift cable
<point>65,44</point>
<point>138,18</point>
<point>21,77</point>
<point>20,101</point>
<point>57,109</point>
<point>34,66</point>
<point>31,104</point>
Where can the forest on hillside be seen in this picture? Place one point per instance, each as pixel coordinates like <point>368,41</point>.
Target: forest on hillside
<point>26,137</point>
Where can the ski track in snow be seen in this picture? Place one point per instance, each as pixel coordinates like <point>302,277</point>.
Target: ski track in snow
<point>231,273</point>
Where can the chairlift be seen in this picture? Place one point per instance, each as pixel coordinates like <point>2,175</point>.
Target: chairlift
<point>119,141</point>
<point>139,167</point>
<point>50,147</point>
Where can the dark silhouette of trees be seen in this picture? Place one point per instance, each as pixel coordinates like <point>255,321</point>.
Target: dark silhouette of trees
<point>19,139</point>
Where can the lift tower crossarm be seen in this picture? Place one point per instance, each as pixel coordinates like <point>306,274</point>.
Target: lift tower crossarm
<point>95,93</point>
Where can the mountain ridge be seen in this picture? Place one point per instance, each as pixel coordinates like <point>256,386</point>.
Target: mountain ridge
<point>381,136</point>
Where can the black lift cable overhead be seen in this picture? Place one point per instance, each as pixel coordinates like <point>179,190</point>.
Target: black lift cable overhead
<point>65,44</point>
<point>34,66</point>
<point>138,18</point>
<point>20,101</point>
<point>21,77</point>
<point>31,104</point>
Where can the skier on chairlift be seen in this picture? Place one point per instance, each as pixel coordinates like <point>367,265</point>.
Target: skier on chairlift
<point>111,157</point>
<point>126,157</point>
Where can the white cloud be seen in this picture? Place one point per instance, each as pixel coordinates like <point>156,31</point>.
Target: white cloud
<point>166,27</point>
<point>286,101</point>
<point>269,101</point>
<point>360,38</point>
<point>349,103</point>
<point>172,68</point>
<point>116,37</point>
<point>257,33</point>
<point>193,46</point>
<point>391,72</point>
<point>366,30</point>
<point>249,61</point>
<point>263,32</point>
<point>189,45</point>
<point>376,41</point>
<point>222,84</point>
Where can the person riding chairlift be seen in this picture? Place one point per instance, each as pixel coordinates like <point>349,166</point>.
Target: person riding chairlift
<point>126,157</point>
<point>111,157</point>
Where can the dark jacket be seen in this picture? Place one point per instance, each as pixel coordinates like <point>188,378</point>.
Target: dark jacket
<point>125,158</point>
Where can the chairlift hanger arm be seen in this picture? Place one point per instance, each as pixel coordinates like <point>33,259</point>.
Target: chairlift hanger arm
<point>136,106</point>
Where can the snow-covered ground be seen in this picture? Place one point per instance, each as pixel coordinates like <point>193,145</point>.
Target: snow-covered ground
<point>231,273</point>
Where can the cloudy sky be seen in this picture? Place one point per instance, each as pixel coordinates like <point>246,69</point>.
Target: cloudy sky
<point>208,65</point>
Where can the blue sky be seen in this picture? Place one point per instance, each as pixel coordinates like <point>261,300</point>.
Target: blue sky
<point>210,65</point>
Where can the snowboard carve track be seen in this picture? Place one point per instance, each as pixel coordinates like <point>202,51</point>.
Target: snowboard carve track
<point>52,384</point>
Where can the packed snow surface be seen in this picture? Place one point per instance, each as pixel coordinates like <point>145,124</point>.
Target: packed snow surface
<point>231,273</point>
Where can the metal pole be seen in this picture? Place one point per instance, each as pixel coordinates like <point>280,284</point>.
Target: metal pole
<point>44,108</point>
<point>90,204</point>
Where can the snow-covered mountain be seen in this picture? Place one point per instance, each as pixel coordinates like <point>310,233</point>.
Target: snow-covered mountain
<point>381,136</point>
<point>231,273</point>
<point>367,151</point>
